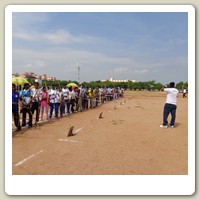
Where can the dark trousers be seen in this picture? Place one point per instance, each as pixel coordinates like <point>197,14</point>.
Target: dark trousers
<point>72,103</point>
<point>35,107</point>
<point>62,108</point>
<point>169,108</point>
<point>24,111</point>
<point>67,105</point>
<point>52,106</point>
<point>85,103</point>
<point>16,118</point>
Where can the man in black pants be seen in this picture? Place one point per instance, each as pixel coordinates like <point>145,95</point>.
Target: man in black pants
<point>15,107</point>
<point>26,97</point>
<point>170,105</point>
<point>35,106</point>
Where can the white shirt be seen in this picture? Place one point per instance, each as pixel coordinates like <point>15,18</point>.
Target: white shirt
<point>172,94</point>
<point>36,94</point>
<point>71,95</point>
<point>53,96</point>
<point>59,96</point>
<point>65,93</point>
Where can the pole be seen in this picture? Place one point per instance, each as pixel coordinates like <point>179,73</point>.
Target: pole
<point>78,74</point>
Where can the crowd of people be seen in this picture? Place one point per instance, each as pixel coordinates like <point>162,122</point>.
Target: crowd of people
<point>56,102</point>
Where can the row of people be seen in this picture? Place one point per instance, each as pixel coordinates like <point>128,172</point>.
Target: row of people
<point>61,101</point>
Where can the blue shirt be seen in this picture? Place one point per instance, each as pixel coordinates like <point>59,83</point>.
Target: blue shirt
<point>15,99</point>
<point>26,94</point>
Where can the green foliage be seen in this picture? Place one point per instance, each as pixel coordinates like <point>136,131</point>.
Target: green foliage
<point>58,83</point>
<point>182,85</point>
<point>148,85</point>
<point>31,80</point>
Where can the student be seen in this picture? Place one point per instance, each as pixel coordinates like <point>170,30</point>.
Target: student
<point>35,106</point>
<point>97,99</point>
<point>77,92</point>
<point>184,93</point>
<point>93,96</point>
<point>61,102</point>
<point>81,97</point>
<point>65,91</point>
<point>15,106</point>
<point>105,93</point>
<point>53,101</point>
<point>26,98</point>
<point>115,93</point>
<point>44,103</point>
<point>71,98</point>
<point>85,99</point>
<point>62,106</point>
<point>101,95</point>
<point>89,97</point>
<point>170,105</point>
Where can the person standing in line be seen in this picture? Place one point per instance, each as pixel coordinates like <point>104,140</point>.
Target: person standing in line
<point>35,106</point>
<point>72,98</point>
<point>26,98</point>
<point>86,99</point>
<point>76,92</point>
<point>170,105</point>
<point>65,91</point>
<point>121,92</point>
<point>105,93</point>
<point>81,97</point>
<point>101,95</point>
<point>184,93</point>
<point>89,91</point>
<point>115,93</point>
<point>53,100</point>
<point>61,106</point>
<point>44,104</point>
<point>15,106</point>
<point>97,96</point>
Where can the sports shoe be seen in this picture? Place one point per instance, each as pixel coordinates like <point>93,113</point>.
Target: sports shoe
<point>163,126</point>
<point>172,126</point>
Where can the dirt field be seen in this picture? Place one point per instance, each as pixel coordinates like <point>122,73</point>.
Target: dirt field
<point>126,141</point>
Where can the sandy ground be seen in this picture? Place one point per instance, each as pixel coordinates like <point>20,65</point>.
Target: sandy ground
<point>126,141</point>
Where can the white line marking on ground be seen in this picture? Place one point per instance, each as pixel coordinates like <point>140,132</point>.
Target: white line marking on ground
<point>66,140</point>
<point>25,159</point>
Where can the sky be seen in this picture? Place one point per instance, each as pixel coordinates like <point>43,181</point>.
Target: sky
<point>139,46</point>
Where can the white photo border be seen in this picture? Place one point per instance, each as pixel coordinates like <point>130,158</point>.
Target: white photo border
<point>100,184</point>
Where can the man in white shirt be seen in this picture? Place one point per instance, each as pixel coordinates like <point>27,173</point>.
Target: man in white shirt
<point>53,96</point>
<point>81,97</point>
<point>36,101</point>
<point>61,101</point>
<point>184,92</point>
<point>65,91</point>
<point>72,98</point>
<point>170,105</point>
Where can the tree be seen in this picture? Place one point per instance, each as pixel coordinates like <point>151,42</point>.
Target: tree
<point>158,86</point>
<point>148,85</point>
<point>180,85</point>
